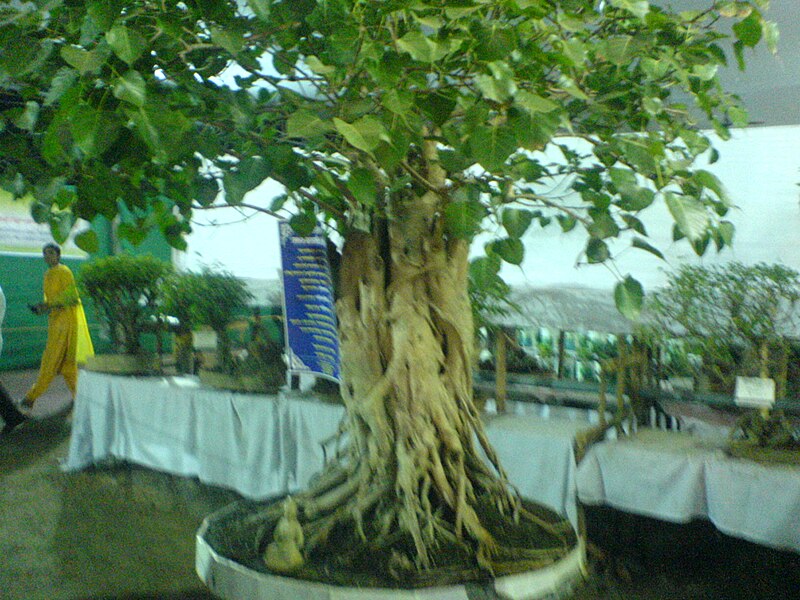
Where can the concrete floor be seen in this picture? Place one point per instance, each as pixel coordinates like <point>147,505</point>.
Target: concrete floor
<point>116,532</point>
<point>126,532</point>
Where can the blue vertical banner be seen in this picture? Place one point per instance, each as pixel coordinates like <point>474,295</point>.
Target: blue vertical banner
<point>312,336</point>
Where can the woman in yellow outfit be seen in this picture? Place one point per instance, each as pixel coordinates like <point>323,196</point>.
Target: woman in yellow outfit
<point>68,341</point>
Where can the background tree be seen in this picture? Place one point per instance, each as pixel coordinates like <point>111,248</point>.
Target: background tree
<point>729,315</point>
<point>407,126</point>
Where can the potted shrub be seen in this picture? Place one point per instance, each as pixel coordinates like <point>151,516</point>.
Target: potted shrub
<point>220,300</point>
<point>126,292</point>
<point>181,292</point>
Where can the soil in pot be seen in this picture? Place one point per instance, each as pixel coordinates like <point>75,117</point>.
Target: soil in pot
<point>346,560</point>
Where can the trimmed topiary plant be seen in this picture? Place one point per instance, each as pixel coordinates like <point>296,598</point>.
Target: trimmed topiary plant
<point>126,292</point>
<point>181,292</point>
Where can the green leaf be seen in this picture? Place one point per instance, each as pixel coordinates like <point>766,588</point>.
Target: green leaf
<point>128,44</point>
<point>533,103</point>
<point>426,49</point>
<point>363,186</point>
<point>61,224</point>
<point>21,57</point>
<point>94,131</point>
<point>629,298</point>
<point>261,8</point>
<point>40,212</point>
<point>655,68</point>
<point>246,176</point>
<point>639,8</point>
<point>516,221</point>
<point>710,181</point>
<point>229,40</point>
<point>65,197</point>
<point>771,35</point>
<point>491,146</point>
<point>162,130</point>
<point>28,118</point>
<point>623,179</point>
<point>365,134</point>
<point>603,225</point>
<point>618,50</point>
<point>82,60</point>
<point>643,245</point>
<point>206,190</point>
<point>316,65</point>
<point>307,124</point>
<point>738,116</point>
<point>690,215</point>
<point>62,81</point>
<point>575,50</point>
<point>463,219</point>
<point>131,88</point>
<point>399,102</point>
<point>633,197</point>
<point>103,12</point>
<point>725,232</point>
<point>87,241</point>
<point>132,233</point>
<point>597,251</point>
<point>749,31</point>
<point>484,272</point>
<point>705,72</point>
<point>510,250</point>
<point>567,222</point>
<point>438,106</point>
<point>500,85</point>
<point>634,224</point>
<point>568,85</point>
<point>303,224</point>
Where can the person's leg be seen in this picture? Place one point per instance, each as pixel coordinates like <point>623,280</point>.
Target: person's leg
<point>52,359</point>
<point>70,373</point>
<point>11,416</point>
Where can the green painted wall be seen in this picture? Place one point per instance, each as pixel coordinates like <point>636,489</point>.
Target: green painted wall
<point>24,334</point>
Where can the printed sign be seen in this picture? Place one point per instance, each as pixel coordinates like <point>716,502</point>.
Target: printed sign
<point>312,338</point>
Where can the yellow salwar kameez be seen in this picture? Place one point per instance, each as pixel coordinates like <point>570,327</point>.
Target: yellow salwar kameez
<point>68,340</point>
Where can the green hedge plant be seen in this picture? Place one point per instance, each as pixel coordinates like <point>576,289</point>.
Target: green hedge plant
<point>126,292</point>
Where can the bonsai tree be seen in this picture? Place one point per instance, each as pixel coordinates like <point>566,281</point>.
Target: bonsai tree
<point>126,291</point>
<point>181,291</point>
<point>730,315</point>
<point>408,127</point>
<point>219,299</point>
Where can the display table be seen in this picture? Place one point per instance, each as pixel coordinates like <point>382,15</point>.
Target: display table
<point>263,446</point>
<point>678,477</point>
<point>255,444</point>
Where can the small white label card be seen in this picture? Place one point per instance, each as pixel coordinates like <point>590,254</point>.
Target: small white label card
<point>754,392</point>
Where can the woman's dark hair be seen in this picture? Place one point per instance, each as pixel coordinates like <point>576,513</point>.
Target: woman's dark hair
<point>52,245</point>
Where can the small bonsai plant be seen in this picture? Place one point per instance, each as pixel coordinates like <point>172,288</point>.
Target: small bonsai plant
<point>219,298</point>
<point>126,291</point>
<point>181,293</point>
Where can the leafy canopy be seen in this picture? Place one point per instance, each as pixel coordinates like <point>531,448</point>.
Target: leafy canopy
<point>147,110</point>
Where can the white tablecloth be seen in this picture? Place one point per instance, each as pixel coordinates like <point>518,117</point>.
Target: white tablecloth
<point>678,477</point>
<point>257,445</point>
<point>263,446</point>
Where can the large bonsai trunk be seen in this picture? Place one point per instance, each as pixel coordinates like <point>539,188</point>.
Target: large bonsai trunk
<point>414,474</point>
<point>407,347</point>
